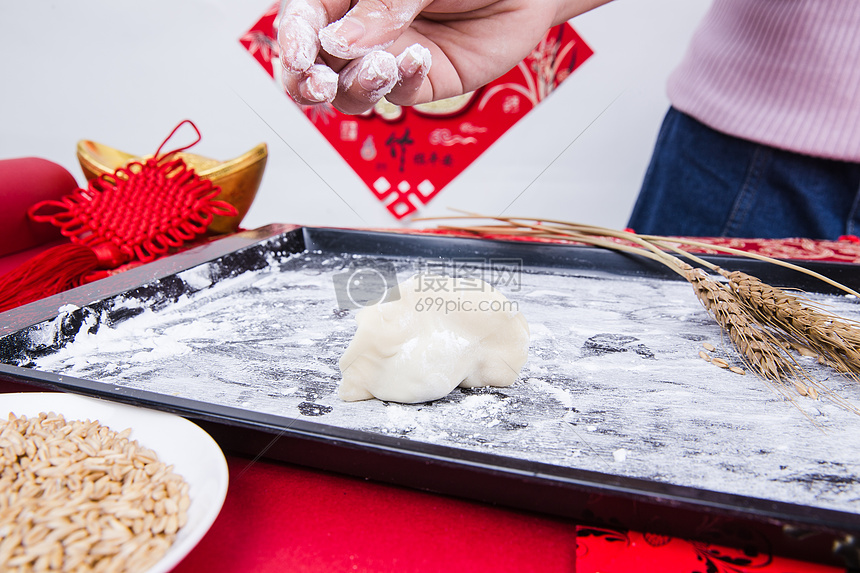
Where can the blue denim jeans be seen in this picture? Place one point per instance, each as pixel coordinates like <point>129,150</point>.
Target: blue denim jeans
<point>708,184</point>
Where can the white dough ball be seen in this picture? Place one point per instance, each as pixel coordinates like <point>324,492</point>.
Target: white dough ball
<point>441,332</point>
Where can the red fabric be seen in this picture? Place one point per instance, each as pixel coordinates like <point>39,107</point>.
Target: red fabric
<point>280,517</point>
<point>284,518</point>
<point>23,182</point>
<point>842,251</point>
<point>609,551</point>
<point>845,250</point>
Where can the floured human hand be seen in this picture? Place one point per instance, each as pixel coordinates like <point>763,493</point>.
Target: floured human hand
<point>354,53</point>
<point>422,345</point>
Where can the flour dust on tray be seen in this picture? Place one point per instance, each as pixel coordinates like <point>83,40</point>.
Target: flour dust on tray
<point>431,334</point>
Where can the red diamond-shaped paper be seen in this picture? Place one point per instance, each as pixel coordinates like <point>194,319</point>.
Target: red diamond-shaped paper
<point>407,155</point>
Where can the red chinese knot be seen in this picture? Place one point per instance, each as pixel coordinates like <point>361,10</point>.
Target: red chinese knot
<point>139,212</point>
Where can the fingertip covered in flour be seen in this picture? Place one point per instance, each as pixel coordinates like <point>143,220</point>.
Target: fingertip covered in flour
<point>320,85</point>
<point>376,74</point>
<point>298,34</point>
<point>414,60</point>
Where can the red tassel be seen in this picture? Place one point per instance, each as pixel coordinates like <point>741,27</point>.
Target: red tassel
<point>48,273</point>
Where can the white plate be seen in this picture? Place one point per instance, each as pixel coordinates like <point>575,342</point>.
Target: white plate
<point>193,453</point>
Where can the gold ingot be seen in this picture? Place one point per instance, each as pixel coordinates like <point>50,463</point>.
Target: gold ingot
<point>239,178</point>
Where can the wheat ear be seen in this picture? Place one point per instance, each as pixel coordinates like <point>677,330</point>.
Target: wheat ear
<point>835,340</point>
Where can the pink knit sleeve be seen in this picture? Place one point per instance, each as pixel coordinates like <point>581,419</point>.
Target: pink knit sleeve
<point>783,73</point>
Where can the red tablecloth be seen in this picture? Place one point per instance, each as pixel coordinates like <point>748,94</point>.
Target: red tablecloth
<point>280,517</point>
<point>285,518</point>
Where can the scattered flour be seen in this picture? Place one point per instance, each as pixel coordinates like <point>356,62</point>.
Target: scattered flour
<point>560,394</point>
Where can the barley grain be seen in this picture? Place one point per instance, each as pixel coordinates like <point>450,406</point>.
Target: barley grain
<point>73,498</point>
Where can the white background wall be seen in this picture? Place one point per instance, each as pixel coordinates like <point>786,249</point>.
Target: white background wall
<point>124,73</point>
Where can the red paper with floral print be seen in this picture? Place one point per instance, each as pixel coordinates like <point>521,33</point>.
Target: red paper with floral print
<point>617,551</point>
<point>407,155</point>
<point>845,250</point>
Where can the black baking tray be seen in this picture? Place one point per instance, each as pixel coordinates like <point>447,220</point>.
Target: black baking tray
<point>590,497</point>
